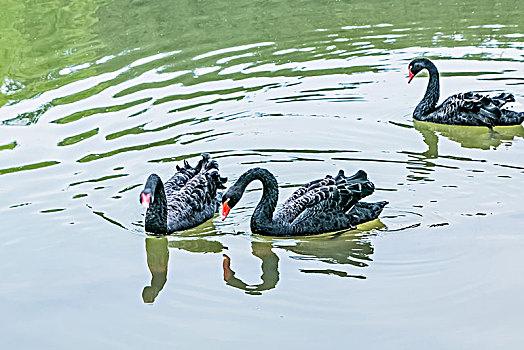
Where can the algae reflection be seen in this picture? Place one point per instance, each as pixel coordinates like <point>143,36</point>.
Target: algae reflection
<point>345,248</point>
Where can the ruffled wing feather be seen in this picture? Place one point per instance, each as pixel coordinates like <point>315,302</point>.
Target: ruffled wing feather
<point>329,196</point>
<point>192,191</point>
<point>473,109</point>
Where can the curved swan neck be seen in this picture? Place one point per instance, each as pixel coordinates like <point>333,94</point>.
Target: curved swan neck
<point>430,99</point>
<point>262,219</point>
<point>156,214</point>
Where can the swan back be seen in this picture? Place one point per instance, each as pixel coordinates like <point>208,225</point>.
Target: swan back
<point>331,195</point>
<point>191,195</point>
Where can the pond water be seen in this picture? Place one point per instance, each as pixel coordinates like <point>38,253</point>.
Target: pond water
<point>97,94</point>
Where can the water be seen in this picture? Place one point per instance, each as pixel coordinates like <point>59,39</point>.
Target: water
<point>96,95</point>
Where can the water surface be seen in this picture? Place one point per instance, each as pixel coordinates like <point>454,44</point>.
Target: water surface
<point>96,95</point>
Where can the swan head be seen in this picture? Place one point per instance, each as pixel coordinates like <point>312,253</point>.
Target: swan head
<point>229,200</point>
<point>416,66</point>
<point>147,196</point>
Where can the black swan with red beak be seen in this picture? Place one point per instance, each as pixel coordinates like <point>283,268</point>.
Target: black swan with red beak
<point>468,108</point>
<point>324,205</point>
<point>188,199</point>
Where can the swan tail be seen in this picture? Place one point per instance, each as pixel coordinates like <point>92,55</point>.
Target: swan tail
<point>489,110</point>
<point>210,166</point>
<point>353,188</point>
<point>359,182</point>
<point>222,180</point>
<point>511,117</point>
<point>218,181</point>
<point>364,212</point>
<point>202,163</point>
<point>502,99</point>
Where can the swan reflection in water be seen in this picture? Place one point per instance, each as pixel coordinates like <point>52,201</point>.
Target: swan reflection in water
<point>157,258</point>
<point>349,248</point>
<point>157,251</point>
<point>467,136</point>
<point>340,248</point>
<point>421,164</point>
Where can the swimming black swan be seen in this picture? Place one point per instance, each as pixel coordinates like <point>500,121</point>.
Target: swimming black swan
<point>187,199</point>
<point>467,108</point>
<point>325,205</point>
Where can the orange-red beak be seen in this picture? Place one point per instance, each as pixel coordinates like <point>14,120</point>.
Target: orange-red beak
<point>411,76</point>
<point>225,210</point>
<point>145,199</point>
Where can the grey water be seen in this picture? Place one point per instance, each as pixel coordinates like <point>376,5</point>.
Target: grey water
<point>97,94</point>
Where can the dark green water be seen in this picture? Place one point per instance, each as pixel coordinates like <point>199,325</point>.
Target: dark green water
<point>96,95</point>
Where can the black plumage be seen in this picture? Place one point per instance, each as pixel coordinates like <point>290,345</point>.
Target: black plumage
<point>187,199</point>
<point>468,108</point>
<point>324,205</point>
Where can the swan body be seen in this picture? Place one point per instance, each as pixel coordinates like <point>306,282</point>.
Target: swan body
<point>187,199</point>
<point>468,108</point>
<point>324,205</point>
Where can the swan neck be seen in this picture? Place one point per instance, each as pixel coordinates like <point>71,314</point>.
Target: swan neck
<point>156,214</point>
<point>430,99</point>
<point>262,219</point>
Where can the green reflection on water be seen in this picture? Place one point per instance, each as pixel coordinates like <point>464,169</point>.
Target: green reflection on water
<point>100,179</point>
<point>270,275</point>
<point>140,129</point>
<point>197,240</point>
<point>99,110</point>
<point>52,210</point>
<point>67,42</point>
<point>71,140</point>
<point>350,248</point>
<point>172,140</point>
<point>11,145</point>
<point>60,34</point>
<point>28,167</point>
<point>467,136</point>
<point>107,70</point>
<point>345,248</point>
<point>157,259</point>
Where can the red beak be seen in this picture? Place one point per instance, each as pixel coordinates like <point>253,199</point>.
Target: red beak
<point>145,199</point>
<point>411,76</point>
<point>225,210</point>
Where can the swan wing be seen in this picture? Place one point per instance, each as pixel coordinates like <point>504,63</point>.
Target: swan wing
<point>328,195</point>
<point>474,109</point>
<point>364,211</point>
<point>185,174</point>
<point>316,219</point>
<point>193,190</point>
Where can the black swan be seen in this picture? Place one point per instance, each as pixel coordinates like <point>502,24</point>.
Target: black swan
<point>325,205</point>
<point>187,199</point>
<point>467,108</point>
